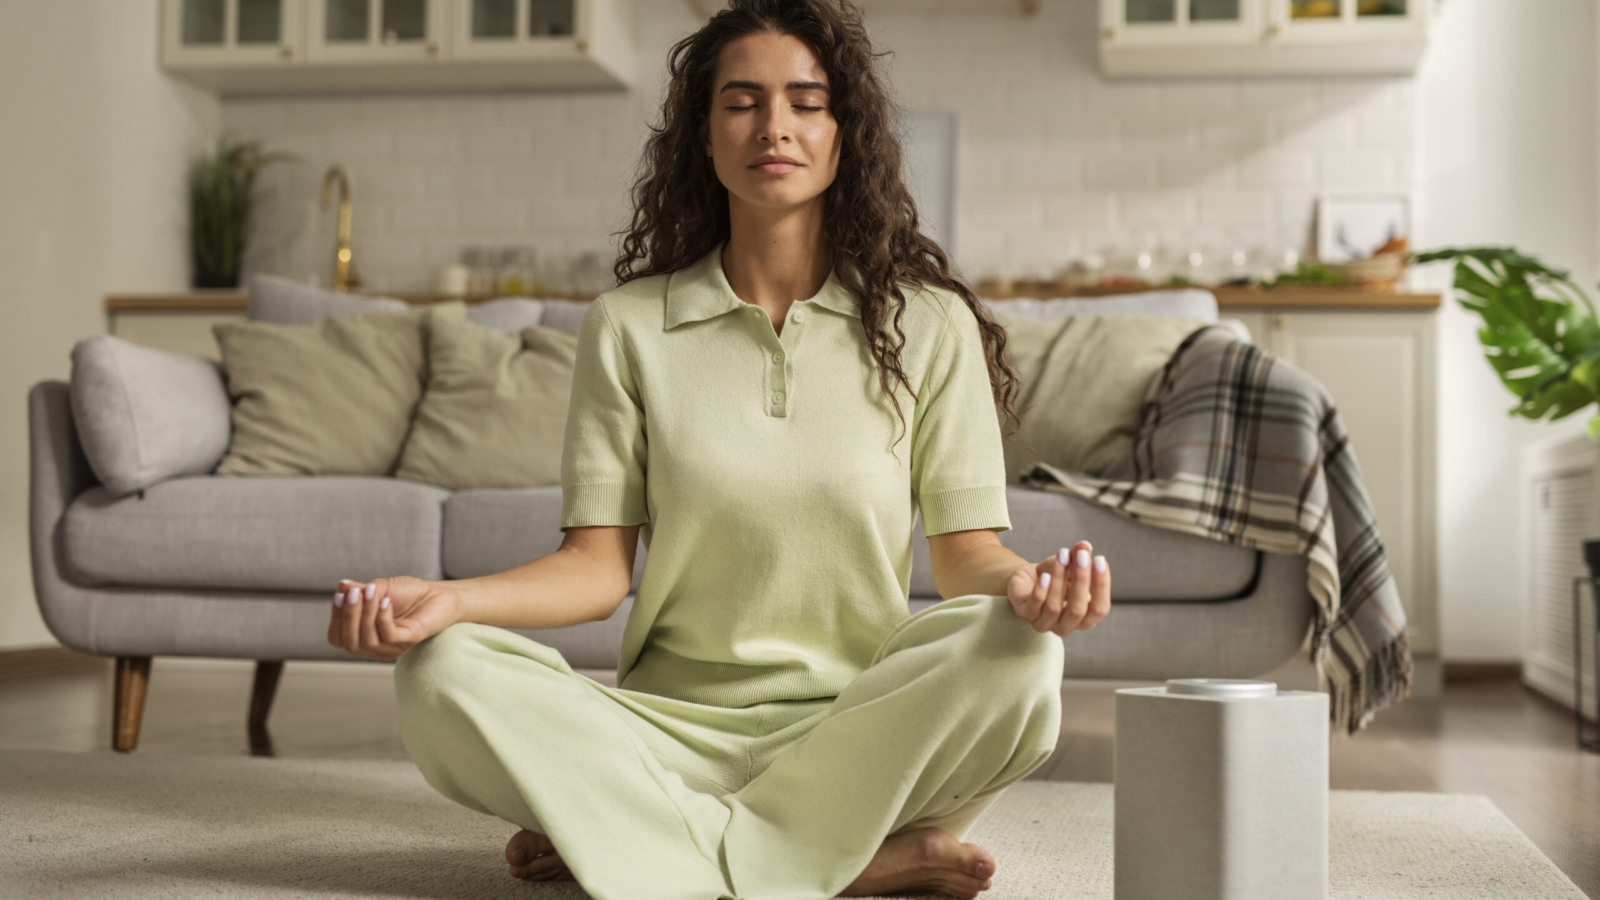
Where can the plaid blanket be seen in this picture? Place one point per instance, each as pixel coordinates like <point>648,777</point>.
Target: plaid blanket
<point>1237,445</point>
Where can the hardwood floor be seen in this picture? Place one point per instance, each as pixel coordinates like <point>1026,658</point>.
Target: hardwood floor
<point>1492,737</point>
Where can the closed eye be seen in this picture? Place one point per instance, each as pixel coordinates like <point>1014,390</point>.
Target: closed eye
<point>752,106</point>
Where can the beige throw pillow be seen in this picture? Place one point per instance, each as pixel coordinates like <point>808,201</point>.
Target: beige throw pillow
<point>496,405</point>
<point>1083,380</point>
<point>329,397</point>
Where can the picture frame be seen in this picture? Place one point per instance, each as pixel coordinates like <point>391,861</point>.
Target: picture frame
<point>1351,226</point>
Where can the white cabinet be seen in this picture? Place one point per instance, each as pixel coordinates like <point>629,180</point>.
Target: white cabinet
<point>1379,368</point>
<point>260,47</point>
<point>355,32</point>
<point>1560,510</point>
<point>1262,37</point>
<point>201,35</point>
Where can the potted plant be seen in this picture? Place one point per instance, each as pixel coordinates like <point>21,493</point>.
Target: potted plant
<point>220,188</point>
<point>1540,334</point>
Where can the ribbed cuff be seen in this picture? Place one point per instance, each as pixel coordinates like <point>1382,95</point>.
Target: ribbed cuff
<point>620,503</point>
<point>961,509</point>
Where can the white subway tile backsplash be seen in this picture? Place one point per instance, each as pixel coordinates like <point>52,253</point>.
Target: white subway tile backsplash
<point>1235,208</point>
<point>1118,170</point>
<point>1355,169</point>
<point>1052,159</point>
<point>1278,168</point>
<point>1194,167</point>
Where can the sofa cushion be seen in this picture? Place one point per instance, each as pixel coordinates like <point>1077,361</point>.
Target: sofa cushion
<point>495,409</point>
<point>489,531</point>
<point>506,313</point>
<point>1147,563</point>
<point>1083,380</point>
<point>330,397</point>
<point>273,298</point>
<point>144,414</point>
<point>566,315</point>
<point>280,534</point>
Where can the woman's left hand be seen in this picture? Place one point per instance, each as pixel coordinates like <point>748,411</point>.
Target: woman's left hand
<point>1066,592</point>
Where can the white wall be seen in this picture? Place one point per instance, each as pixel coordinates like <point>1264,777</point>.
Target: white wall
<point>1507,116</point>
<point>93,140</point>
<point>1053,160</point>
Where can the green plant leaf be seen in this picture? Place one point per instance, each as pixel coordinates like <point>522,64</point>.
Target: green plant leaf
<point>1546,350</point>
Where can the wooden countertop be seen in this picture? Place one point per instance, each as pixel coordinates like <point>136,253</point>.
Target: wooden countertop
<point>1240,298</point>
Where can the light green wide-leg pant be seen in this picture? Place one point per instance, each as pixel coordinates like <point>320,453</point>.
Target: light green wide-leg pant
<point>650,798</point>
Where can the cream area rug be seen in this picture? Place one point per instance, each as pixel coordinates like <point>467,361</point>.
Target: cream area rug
<point>106,825</point>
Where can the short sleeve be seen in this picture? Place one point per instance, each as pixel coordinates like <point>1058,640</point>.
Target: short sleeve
<point>603,452</point>
<point>958,469</point>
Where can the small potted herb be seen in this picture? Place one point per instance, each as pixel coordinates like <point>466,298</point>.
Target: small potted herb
<point>220,188</point>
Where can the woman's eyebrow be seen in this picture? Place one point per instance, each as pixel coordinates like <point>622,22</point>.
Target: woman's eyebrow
<point>792,86</point>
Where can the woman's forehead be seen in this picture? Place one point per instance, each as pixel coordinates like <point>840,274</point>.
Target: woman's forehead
<point>770,61</point>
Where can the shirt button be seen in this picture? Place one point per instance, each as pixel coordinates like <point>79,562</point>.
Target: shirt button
<point>778,356</point>
<point>778,397</point>
<point>799,316</point>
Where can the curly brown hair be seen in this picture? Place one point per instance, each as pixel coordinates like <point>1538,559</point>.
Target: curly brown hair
<point>680,207</point>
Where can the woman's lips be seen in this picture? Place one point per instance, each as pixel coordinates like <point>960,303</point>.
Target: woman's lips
<point>777,168</point>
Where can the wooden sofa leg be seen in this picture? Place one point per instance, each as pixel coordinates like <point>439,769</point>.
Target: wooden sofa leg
<point>133,677</point>
<point>266,687</point>
<point>268,672</point>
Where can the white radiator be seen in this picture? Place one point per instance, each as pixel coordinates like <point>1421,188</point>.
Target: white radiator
<point>1561,509</point>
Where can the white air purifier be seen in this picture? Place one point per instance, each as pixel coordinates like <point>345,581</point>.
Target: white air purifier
<point>1221,791</point>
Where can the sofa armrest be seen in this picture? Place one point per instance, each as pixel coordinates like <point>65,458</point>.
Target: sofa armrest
<point>57,473</point>
<point>144,415</point>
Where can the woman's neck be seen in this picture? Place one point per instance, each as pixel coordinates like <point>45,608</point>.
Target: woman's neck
<point>775,259</point>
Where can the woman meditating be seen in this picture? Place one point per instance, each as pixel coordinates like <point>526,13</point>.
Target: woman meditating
<point>786,375</point>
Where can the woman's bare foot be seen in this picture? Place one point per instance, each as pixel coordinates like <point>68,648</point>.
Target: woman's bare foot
<point>534,858</point>
<point>925,859</point>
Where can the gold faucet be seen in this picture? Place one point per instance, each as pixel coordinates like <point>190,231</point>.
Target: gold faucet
<point>344,272</point>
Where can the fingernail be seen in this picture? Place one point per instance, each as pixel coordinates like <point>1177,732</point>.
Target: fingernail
<point>353,597</point>
<point>1044,580</point>
<point>517,856</point>
<point>1061,556</point>
<point>370,590</point>
<point>338,599</point>
<point>1099,563</point>
<point>1083,559</point>
<point>385,603</point>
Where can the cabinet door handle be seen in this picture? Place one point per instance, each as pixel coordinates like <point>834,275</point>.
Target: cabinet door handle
<point>285,51</point>
<point>433,48</point>
<point>1109,32</point>
<point>1280,321</point>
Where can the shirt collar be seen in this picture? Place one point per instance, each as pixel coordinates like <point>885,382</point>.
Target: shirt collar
<point>701,290</point>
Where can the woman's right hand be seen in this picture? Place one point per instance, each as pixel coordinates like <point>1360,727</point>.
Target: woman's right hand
<point>383,618</point>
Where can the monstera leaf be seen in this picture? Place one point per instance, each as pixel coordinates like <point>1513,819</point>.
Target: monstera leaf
<point>1545,349</point>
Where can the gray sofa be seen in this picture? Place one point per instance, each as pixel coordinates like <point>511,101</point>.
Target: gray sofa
<point>244,568</point>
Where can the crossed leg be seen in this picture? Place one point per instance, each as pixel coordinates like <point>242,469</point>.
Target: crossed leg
<point>961,701</point>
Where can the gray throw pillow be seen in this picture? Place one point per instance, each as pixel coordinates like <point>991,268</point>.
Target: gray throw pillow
<point>272,298</point>
<point>144,415</point>
<point>506,313</point>
<point>329,397</point>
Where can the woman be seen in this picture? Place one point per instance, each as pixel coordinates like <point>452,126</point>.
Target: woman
<point>782,726</point>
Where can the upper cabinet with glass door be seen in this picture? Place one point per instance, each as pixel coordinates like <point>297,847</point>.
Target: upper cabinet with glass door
<point>209,34</point>
<point>1262,37</point>
<point>358,31</point>
<point>368,46</point>
<point>557,32</point>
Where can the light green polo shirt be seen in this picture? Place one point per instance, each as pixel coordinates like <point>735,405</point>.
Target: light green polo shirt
<point>777,517</point>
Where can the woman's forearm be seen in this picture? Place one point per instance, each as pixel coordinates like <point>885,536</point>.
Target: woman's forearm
<point>982,569</point>
<point>565,587</point>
